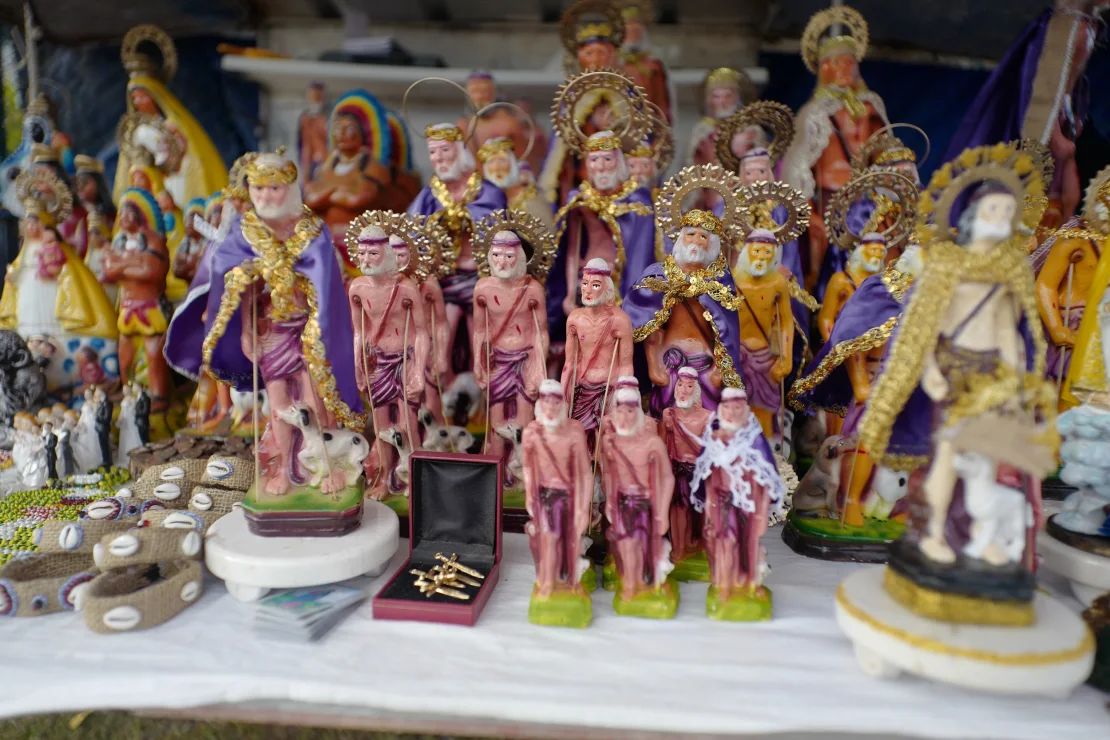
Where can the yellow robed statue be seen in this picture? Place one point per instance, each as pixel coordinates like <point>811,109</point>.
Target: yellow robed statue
<point>201,171</point>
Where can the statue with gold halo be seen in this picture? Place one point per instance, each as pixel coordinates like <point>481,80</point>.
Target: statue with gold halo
<point>1087,380</point>
<point>96,198</point>
<point>355,177</point>
<point>962,391</point>
<point>501,166</point>
<point>637,62</point>
<point>725,91</point>
<point>278,318</point>
<point>684,310</point>
<point>50,297</point>
<point>839,117</point>
<point>150,59</point>
<point>592,32</point>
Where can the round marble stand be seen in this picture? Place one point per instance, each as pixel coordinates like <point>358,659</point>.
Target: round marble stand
<point>1051,657</point>
<point>1087,572</point>
<point>251,565</point>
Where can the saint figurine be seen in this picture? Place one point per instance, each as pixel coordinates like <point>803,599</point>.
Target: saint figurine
<point>191,248</point>
<point>500,120</point>
<point>962,393</point>
<point>682,428</point>
<point>839,117</point>
<point>1087,376</point>
<point>355,176</point>
<point>391,350</point>
<point>638,485</point>
<point>737,485</point>
<point>96,198</point>
<point>501,167</point>
<point>558,489</point>
<point>637,61</point>
<point>277,317</point>
<point>312,131</point>
<point>684,309</point>
<point>509,335</point>
<point>725,90</point>
<point>599,347</point>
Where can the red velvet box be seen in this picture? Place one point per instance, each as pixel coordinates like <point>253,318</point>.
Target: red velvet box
<point>454,507</point>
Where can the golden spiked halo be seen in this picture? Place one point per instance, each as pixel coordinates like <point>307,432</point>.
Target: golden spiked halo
<point>1003,163</point>
<point>129,124</point>
<point>257,173</point>
<point>444,257</point>
<point>40,190</point>
<point>798,209</point>
<point>1041,156</point>
<point>770,116</point>
<point>884,141</point>
<point>873,185</point>
<point>1098,193</point>
<point>136,61</point>
<point>410,228</point>
<point>611,22</point>
<point>659,143</point>
<point>534,236</point>
<point>637,113</point>
<point>840,16</point>
<point>669,204</point>
<point>237,177</point>
<point>448,134</point>
<point>523,114</point>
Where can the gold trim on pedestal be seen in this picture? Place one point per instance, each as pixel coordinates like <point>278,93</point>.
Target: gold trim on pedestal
<point>956,608</point>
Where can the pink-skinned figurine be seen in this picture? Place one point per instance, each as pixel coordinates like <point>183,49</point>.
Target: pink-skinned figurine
<point>391,352</point>
<point>741,485</point>
<point>638,485</point>
<point>558,488</point>
<point>682,427</point>
<point>599,346</point>
<point>509,337</point>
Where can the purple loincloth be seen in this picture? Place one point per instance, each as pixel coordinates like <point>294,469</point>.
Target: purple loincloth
<point>506,380</point>
<point>682,494</point>
<point>634,523</point>
<point>588,398</point>
<point>729,518</point>
<point>458,288</point>
<point>555,518</point>
<point>755,368</point>
<point>281,350</point>
<point>1057,361</point>
<point>386,384</point>
<point>662,397</point>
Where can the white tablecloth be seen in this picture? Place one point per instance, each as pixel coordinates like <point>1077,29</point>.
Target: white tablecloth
<point>795,673</point>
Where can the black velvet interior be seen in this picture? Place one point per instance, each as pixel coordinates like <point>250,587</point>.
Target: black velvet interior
<point>453,506</point>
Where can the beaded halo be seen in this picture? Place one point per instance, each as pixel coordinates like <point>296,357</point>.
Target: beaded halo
<point>634,107</point>
<point>136,61</point>
<point>661,139</point>
<point>773,117</point>
<point>1098,193</point>
<point>840,16</point>
<point>410,228</point>
<point>798,209</point>
<point>895,190</point>
<point>444,257</point>
<point>669,204</point>
<point>40,189</point>
<point>574,18</point>
<point>533,235</point>
<point>1014,170</point>
<point>469,106</point>
<point>883,141</point>
<point>1041,156</point>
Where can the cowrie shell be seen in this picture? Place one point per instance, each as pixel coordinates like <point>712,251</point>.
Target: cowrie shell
<point>174,473</point>
<point>104,509</point>
<point>179,520</point>
<point>124,546</point>
<point>70,537</point>
<point>122,617</point>
<point>218,469</point>
<point>190,544</point>
<point>98,553</point>
<point>190,591</point>
<point>77,595</point>
<point>124,492</point>
<point>167,491</point>
<point>200,501</point>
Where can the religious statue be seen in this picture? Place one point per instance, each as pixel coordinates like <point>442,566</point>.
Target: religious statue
<point>1065,266</point>
<point>684,309</point>
<point>737,485</point>
<point>509,335</point>
<point>682,427</point>
<point>96,198</point>
<point>558,489</point>
<point>497,119</point>
<point>592,32</point>
<point>1087,376</point>
<point>277,317</point>
<point>724,91</point>
<point>391,347</point>
<point>406,180</point>
<point>50,298</point>
<point>456,198</point>
<point>501,167</point>
<point>355,176</point>
<point>963,385</point>
<point>312,131</point>
<point>138,263</point>
<point>599,347</point>
<point>839,117</point>
<point>1038,91</point>
<point>638,485</point>
<point>637,62</point>
<point>149,57</point>
<point>73,229</point>
<point>191,249</point>
<point>766,327</point>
